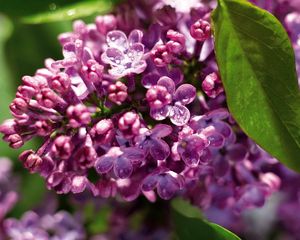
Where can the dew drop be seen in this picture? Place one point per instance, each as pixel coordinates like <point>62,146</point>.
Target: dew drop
<point>71,12</point>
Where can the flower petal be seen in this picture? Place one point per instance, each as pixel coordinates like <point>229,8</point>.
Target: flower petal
<point>167,186</point>
<point>113,56</point>
<point>150,79</point>
<point>160,114</point>
<point>134,154</point>
<point>179,115</point>
<point>223,128</point>
<point>236,152</point>
<point>135,37</point>
<point>216,140</point>
<point>87,55</point>
<point>218,114</point>
<point>78,86</point>
<point>185,94</point>
<point>104,164</point>
<point>69,50</point>
<point>123,167</point>
<point>206,156</point>
<point>149,183</point>
<point>159,149</point>
<point>190,158</point>
<point>117,39</point>
<point>206,50</point>
<point>139,67</point>
<point>118,72</point>
<point>176,75</point>
<point>161,130</point>
<point>136,52</point>
<point>168,83</point>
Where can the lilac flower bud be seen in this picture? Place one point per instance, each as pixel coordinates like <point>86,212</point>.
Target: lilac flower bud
<point>30,82</point>
<point>212,85</point>
<point>30,160</point>
<point>60,82</point>
<point>78,115</point>
<point>117,92</point>
<point>106,23</point>
<point>129,124</point>
<point>92,71</point>
<point>103,131</point>
<point>161,55</point>
<point>43,128</point>
<point>26,92</point>
<point>47,98</point>
<point>8,127</point>
<point>18,106</point>
<point>158,97</point>
<point>62,147</point>
<point>200,30</point>
<point>14,140</point>
<point>176,44</point>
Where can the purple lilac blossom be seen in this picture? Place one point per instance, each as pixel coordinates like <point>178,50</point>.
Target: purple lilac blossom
<point>60,225</point>
<point>8,194</point>
<point>137,98</point>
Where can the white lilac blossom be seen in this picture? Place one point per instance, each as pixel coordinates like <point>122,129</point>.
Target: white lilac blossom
<point>136,107</point>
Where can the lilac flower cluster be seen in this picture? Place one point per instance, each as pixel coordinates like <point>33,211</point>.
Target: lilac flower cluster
<point>60,225</point>
<point>136,106</point>
<point>8,185</point>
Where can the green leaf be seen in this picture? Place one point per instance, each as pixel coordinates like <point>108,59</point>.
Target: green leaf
<point>18,8</point>
<point>257,66</point>
<point>189,225</point>
<point>72,11</point>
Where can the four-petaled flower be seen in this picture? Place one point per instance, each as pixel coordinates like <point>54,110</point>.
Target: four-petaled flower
<point>166,182</point>
<point>124,55</point>
<point>166,101</point>
<point>121,160</point>
<point>151,141</point>
<point>192,148</point>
